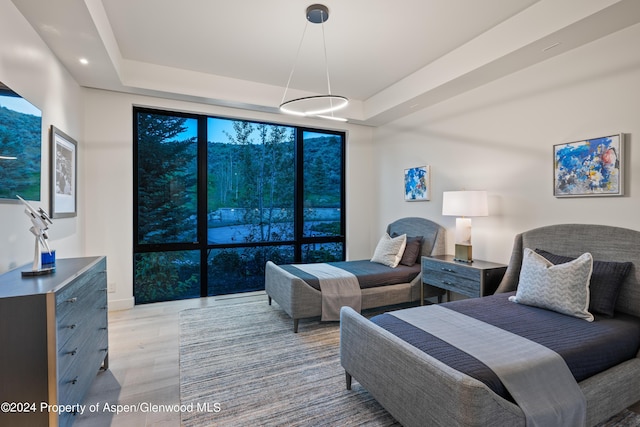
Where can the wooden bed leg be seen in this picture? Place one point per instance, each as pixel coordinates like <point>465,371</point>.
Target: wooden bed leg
<point>295,326</point>
<point>348,378</point>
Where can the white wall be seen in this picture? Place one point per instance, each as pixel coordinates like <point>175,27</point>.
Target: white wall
<point>29,68</point>
<point>108,166</point>
<point>499,138</point>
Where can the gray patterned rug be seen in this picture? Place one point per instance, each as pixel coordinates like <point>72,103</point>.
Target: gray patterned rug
<point>242,365</point>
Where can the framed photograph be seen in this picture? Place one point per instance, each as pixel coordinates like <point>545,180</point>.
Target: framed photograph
<point>64,171</point>
<point>593,167</point>
<point>417,184</point>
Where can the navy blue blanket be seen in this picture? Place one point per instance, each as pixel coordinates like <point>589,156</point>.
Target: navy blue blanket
<point>369,274</point>
<point>587,347</point>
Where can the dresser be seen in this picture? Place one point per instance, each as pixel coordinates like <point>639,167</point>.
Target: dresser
<point>53,340</point>
<point>476,279</point>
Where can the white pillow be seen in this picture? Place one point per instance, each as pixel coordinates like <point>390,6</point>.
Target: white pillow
<point>563,287</point>
<point>389,250</point>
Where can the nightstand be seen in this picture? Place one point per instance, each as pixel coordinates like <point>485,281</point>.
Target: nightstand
<point>476,279</point>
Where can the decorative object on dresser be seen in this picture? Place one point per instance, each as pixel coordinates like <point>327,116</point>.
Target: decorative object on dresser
<point>54,338</point>
<point>40,224</point>
<point>593,167</point>
<point>464,204</point>
<point>477,279</point>
<point>417,184</point>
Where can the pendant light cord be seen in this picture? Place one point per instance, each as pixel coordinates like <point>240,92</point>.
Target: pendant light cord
<point>326,61</point>
<point>284,95</point>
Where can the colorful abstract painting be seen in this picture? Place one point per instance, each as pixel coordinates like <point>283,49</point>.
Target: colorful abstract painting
<point>417,185</point>
<point>593,167</point>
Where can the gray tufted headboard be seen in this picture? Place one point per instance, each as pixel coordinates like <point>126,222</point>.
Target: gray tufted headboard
<point>605,243</point>
<point>432,243</point>
<point>433,234</point>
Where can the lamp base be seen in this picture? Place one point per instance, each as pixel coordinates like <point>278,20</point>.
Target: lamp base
<point>463,253</point>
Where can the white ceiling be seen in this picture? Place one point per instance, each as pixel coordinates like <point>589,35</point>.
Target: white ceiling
<point>389,57</point>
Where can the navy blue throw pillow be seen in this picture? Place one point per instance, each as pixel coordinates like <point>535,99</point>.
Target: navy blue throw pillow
<point>606,279</point>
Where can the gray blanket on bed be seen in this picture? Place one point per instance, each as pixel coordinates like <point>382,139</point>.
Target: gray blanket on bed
<point>339,288</point>
<point>537,377</point>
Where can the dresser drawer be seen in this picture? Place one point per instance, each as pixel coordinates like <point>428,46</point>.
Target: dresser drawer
<point>74,350</point>
<point>85,293</point>
<point>80,287</point>
<point>89,305</point>
<point>78,365</point>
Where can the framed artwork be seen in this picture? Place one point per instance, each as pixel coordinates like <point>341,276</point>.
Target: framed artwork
<point>20,147</point>
<point>64,171</point>
<point>417,184</point>
<point>593,167</point>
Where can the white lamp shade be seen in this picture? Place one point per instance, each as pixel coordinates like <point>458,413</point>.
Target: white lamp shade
<point>465,203</point>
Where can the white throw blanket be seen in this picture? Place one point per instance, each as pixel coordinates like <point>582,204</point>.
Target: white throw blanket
<point>339,288</point>
<point>537,377</point>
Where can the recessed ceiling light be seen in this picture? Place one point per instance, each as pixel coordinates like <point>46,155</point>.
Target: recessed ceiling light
<point>84,61</point>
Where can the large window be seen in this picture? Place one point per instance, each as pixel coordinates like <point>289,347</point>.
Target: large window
<point>216,198</point>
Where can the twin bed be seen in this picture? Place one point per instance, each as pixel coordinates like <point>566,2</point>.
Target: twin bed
<point>299,294</point>
<point>422,373</point>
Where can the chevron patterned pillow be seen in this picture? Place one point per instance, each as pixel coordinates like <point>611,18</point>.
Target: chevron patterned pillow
<point>563,288</point>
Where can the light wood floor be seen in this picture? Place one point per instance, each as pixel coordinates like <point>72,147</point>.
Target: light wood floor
<point>143,363</point>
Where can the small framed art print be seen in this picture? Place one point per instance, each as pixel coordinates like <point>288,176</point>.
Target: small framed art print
<point>417,184</point>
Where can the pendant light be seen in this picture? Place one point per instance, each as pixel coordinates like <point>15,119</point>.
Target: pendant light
<point>318,105</point>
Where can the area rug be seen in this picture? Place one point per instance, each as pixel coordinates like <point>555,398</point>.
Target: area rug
<point>242,365</point>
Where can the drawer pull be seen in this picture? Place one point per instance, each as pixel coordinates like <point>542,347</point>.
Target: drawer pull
<point>72,326</point>
<point>104,307</point>
<point>448,270</point>
<point>74,381</point>
<point>72,300</point>
<point>104,328</point>
<point>447,283</point>
<point>105,349</point>
<point>73,352</point>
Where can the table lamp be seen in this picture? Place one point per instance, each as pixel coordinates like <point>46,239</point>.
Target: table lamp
<point>464,204</point>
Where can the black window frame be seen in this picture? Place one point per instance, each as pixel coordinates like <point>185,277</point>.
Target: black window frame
<point>202,244</point>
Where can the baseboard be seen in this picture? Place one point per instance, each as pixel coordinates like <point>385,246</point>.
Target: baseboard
<point>121,304</point>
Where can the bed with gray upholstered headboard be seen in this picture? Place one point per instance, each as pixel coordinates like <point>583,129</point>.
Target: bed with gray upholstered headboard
<point>298,295</point>
<point>420,388</point>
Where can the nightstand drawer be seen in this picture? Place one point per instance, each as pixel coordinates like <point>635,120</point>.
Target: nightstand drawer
<point>475,279</point>
<point>456,283</point>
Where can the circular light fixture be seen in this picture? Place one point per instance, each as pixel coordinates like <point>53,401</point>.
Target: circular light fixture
<point>314,105</point>
<point>317,105</point>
